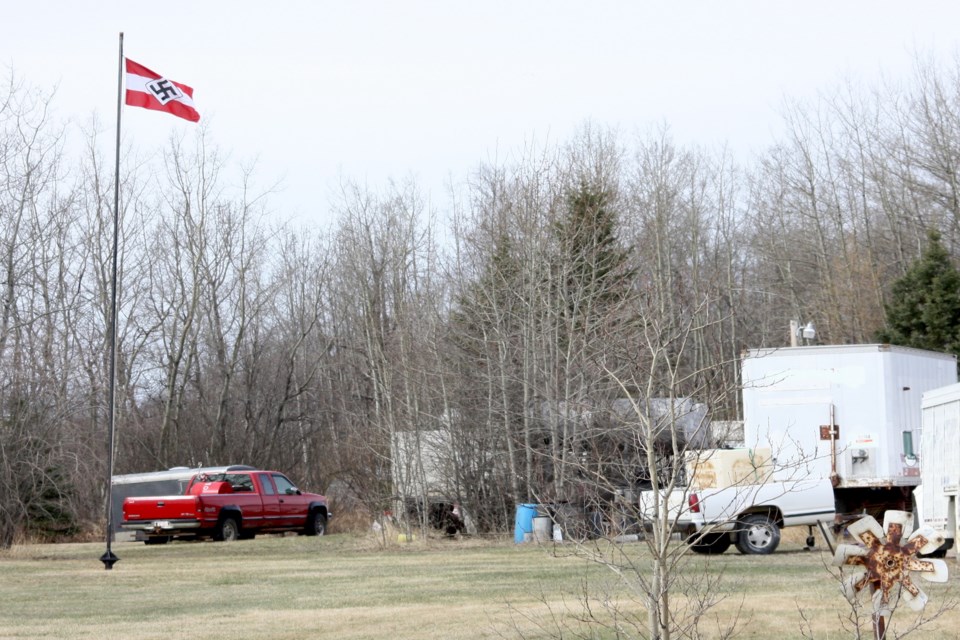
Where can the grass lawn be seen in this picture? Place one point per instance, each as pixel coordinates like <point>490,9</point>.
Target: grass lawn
<point>343,586</point>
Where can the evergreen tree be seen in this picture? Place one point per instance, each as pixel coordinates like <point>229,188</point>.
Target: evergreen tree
<point>598,275</point>
<point>924,309</point>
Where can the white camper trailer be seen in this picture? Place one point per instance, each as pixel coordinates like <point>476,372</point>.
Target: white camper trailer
<point>940,455</point>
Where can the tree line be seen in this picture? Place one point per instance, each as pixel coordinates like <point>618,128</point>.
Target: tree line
<point>517,319</point>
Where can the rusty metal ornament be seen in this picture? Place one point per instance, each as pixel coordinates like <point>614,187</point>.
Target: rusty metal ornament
<point>882,563</point>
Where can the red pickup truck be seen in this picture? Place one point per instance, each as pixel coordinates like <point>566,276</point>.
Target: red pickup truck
<point>227,506</point>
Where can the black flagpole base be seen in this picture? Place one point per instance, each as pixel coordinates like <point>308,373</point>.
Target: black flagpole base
<point>109,559</point>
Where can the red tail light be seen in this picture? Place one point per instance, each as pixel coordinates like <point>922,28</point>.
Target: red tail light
<point>694,502</point>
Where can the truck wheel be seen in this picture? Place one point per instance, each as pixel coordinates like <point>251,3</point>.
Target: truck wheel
<point>758,535</point>
<point>228,530</point>
<point>316,523</point>
<point>712,544</point>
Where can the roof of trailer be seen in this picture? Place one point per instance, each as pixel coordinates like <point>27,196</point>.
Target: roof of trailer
<point>821,349</point>
<point>175,473</point>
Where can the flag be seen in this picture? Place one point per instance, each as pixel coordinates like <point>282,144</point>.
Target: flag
<point>150,90</point>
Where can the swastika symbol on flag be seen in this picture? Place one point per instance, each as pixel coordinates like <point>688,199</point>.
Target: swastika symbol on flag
<point>164,90</point>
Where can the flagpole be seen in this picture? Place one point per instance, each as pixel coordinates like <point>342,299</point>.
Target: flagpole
<point>109,558</point>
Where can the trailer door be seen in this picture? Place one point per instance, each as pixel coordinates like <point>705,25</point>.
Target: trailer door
<point>794,432</point>
<point>940,463</point>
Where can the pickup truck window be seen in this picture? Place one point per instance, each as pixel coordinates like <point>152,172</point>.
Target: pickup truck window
<point>267,485</point>
<point>282,483</point>
<point>240,482</point>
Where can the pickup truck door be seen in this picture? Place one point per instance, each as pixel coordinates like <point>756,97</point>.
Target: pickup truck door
<point>271,502</point>
<point>293,506</point>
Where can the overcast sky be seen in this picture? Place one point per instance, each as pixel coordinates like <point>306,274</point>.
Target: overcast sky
<point>367,91</point>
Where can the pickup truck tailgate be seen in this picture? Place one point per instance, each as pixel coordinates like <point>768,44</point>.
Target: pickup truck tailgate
<point>160,508</point>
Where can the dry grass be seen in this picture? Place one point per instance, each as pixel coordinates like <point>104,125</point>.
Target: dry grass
<point>364,587</point>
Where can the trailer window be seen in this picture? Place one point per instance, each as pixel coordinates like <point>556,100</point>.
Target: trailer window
<point>908,455</point>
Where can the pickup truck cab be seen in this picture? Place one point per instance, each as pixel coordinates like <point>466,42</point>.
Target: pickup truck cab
<point>226,506</point>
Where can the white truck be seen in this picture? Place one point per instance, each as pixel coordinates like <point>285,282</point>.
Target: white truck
<point>828,433</point>
<point>940,451</point>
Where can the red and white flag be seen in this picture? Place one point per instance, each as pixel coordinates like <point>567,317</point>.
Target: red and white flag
<point>150,90</point>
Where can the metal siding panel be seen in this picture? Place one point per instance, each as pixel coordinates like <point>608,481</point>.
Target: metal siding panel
<point>940,454</point>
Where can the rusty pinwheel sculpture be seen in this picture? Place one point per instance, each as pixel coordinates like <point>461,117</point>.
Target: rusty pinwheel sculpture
<point>886,566</point>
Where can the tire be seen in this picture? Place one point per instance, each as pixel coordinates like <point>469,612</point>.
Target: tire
<point>758,535</point>
<point>316,523</point>
<point>712,544</point>
<point>228,530</point>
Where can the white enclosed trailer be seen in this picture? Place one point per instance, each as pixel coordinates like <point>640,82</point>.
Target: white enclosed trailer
<point>940,454</point>
<point>845,413</point>
<point>839,423</point>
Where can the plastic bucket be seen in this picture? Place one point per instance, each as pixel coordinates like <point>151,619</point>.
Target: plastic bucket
<point>523,531</point>
<point>542,529</point>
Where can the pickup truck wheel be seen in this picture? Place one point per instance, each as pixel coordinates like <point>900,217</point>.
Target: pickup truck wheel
<point>712,544</point>
<point>228,530</point>
<point>758,535</point>
<point>316,524</point>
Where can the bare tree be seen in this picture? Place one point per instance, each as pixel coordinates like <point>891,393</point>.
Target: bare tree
<point>383,297</point>
<point>41,266</point>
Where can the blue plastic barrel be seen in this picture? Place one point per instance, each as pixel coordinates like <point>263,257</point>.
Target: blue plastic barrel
<point>523,530</point>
